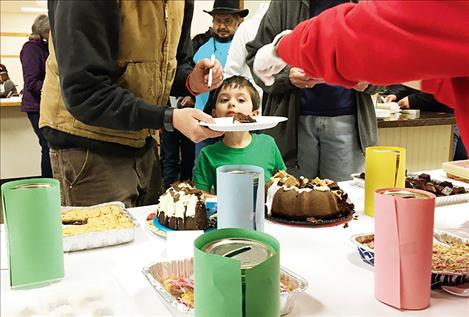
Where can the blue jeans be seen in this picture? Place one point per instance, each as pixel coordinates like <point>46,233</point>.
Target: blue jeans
<point>46,169</point>
<point>328,147</point>
<point>177,157</point>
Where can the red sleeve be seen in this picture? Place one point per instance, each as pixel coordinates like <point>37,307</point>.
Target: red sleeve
<point>455,93</point>
<point>383,42</point>
<point>389,42</point>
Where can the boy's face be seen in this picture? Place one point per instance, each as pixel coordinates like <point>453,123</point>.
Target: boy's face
<point>231,100</point>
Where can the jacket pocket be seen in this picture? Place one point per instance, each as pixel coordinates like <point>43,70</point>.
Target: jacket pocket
<point>142,80</point>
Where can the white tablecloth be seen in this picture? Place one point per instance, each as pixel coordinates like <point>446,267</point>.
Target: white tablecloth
<point>340,284</point>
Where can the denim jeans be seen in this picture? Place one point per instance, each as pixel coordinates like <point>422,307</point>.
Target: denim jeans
<point>89,178</point>
<point>328,147</point>
<point>177,157</point>
<point>46,169</point>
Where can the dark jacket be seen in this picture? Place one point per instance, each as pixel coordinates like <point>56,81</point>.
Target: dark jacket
<point>33,58</point>
<point>417,99</point>
<point>284,99</point>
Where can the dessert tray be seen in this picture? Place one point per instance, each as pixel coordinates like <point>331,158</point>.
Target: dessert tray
<point>178,275</point>
<point>226,124</point>
<point>96,226</point>
<point>450,264</point>
<point>439,200</point>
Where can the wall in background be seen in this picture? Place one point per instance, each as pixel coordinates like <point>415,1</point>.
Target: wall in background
<point>19,147</point>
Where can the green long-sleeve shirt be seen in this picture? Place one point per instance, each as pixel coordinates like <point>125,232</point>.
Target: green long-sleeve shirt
<point>262,152</point>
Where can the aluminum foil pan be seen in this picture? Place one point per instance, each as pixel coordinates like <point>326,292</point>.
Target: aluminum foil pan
<point>99,238</point>
<point>364,243</point>
<point>159,272</point>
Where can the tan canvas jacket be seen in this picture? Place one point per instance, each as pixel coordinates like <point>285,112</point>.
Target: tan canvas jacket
<point>149,36</point>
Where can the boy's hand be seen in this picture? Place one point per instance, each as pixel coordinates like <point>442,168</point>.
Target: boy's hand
<point>198,79</point>
<point>187,122</point>
<point>187,101</point>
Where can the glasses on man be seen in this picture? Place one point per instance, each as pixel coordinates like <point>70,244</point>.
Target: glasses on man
<point>226,22</point>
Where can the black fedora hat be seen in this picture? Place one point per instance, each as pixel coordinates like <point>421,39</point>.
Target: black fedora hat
<point>227,7</point>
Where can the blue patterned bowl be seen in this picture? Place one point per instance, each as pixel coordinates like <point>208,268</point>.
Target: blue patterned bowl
<point>367,254</point>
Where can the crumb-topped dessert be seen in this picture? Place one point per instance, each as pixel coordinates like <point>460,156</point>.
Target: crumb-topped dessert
<point>182,207</point>
<point>447,257</point>
<point>84,220</point>
<point>243,118</point>
<point>299,199</point>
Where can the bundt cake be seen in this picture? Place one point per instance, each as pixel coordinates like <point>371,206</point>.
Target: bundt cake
<point>299,199</point>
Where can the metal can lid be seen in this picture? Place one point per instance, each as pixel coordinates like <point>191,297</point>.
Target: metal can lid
<point>402,193</point>
<point>249,252</point>
<point>243,172</point>
<point>32,185</point>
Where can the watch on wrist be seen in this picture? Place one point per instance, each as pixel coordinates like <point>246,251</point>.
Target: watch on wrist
<point>168,119</point>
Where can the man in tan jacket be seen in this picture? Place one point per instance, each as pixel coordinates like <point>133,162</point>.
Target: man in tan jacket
<point>112,66</point>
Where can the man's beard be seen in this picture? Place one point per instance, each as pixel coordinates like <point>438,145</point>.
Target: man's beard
<point>222,39</point>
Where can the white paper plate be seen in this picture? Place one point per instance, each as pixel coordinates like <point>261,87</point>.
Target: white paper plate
<point>226,124</point>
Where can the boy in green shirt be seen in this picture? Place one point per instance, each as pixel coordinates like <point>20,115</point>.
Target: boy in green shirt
<point>236,94</point>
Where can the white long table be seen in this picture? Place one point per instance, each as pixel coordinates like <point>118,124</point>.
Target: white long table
<point>340,284</point>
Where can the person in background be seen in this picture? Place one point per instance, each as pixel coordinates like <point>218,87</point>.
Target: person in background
<point>328,127</point>
<point>177,151</point>
<point>350,43</point>
<point>111,69</point>
<point>236,94</point>
<point>407,97</point>
<point>33,57</point>
<point>7,87</point>
<point>226,16</point>
<point>236,61</point>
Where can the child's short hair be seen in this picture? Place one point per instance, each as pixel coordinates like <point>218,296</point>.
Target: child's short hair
<point>236,82</point>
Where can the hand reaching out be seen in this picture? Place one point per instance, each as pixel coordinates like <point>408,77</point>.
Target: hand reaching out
<point>299,79</point>
<point>186,120</point>
<point>361,86</point>
<point>198,79</point>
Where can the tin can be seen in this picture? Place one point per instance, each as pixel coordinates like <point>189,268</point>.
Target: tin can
<point>249,253</point>
<point>255,185</point>
<point>31,186</point>
<point>402,193</point>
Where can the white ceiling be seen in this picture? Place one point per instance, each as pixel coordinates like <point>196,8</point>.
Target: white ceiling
<point>12,6</point>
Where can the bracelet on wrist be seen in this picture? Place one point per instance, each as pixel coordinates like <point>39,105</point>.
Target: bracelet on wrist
<point>188,86</point>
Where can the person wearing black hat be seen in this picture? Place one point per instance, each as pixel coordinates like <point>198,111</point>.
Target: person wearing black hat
<point>226,16</point>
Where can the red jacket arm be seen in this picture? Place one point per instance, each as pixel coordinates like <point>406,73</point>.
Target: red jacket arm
<point>382,42</point>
